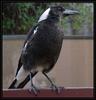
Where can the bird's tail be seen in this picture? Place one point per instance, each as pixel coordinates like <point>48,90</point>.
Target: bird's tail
<point>23,83</point>
<point>12,86</point>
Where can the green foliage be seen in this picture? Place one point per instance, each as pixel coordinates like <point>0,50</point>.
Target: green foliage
<point>8,23</point>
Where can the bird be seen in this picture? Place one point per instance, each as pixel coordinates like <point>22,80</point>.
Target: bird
<point>41,48</point>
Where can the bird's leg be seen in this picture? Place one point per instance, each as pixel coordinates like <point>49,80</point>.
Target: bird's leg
<point>33,88</point>
<point>54,87</point>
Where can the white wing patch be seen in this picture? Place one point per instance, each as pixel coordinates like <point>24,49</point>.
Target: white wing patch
<point>27,41</point>
<point>35,30</point>
<point>44,15</point>
<point>25,46</point>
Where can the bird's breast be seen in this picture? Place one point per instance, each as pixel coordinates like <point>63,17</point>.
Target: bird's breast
<point>44,48</point>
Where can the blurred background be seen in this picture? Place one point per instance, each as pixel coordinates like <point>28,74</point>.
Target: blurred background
<point>74,67</point>
<point>18,18</point>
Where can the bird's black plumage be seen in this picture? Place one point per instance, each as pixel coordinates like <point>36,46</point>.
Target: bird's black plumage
<point>30,33</point>
<point>42,47</point>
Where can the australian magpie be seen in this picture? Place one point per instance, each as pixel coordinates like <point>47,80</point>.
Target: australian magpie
<point>41,48</point>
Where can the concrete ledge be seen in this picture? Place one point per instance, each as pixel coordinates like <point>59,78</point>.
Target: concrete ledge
<point>81,92</point>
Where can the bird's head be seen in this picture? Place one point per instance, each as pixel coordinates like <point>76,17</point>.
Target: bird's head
<point>56,12</point>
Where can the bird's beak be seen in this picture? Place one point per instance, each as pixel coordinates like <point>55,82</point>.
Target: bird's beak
<point>70,12</point>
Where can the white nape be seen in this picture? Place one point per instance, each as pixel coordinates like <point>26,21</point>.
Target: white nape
<point>44,15</point>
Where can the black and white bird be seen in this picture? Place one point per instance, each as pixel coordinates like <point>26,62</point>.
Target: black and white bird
<point>41,48</point>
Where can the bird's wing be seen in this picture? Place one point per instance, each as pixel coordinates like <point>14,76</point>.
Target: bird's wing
<point>30,33</point>
<point>19,65</point>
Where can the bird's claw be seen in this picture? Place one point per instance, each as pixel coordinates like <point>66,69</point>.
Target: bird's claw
<point>34,90</point>
<point>57,89</point>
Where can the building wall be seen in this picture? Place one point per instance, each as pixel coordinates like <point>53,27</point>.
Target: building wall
<point>74,67</point>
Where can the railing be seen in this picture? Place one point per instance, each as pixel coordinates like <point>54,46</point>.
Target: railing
<point>80,92</point>
<point>19,37</point>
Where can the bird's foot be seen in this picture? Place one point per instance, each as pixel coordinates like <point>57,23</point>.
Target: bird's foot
<point>34,90</point>
<point>57,89</point>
